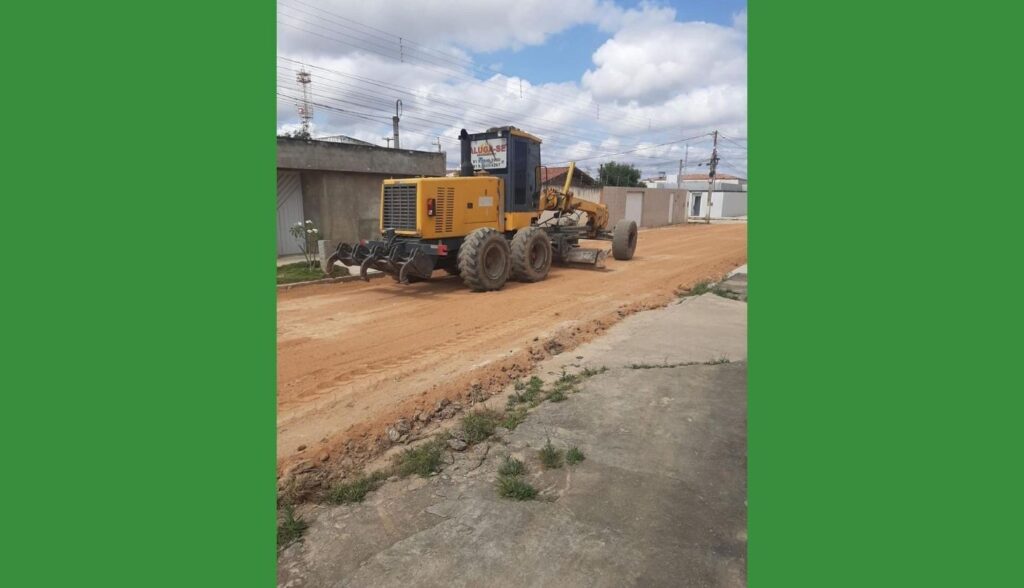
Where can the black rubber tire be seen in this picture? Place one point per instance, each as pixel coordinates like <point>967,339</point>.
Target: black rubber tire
<point>624,239</point>
<point>485,260</point>
<point>531,254</point>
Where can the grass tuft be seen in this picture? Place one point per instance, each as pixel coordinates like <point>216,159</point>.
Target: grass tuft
<point>514,418</point>
<point>480,425</point>
<point>590,372</point>
<point>701,287</point>
<point>511,467</point>
<point>515,488</point>
<point>557,395</point>
<point>422,461</point>
<point>549,456</point>
<point>290,528</point>
<point>356,490</point>
<point>574,456</point>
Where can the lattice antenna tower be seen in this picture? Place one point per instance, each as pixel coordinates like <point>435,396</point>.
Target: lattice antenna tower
<point>306,107</point>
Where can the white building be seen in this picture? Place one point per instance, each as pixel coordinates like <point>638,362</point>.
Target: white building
<point>728,200</point>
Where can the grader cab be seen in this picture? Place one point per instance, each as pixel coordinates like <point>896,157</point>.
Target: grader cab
<point>486,225</point>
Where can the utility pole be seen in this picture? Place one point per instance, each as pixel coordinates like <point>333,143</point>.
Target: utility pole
<point>394,120</point>
<point>389,140</point>
<point>682,167</point>
<point>711,175</point>
<point>438,143</point>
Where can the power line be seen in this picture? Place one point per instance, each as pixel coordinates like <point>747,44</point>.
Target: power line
<point>638,149</point>
<point>391,54</point>
<point>459,116</point>
<point>459,62</point>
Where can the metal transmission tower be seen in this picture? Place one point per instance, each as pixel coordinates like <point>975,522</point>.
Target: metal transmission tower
<point>394,120</point>
<point>306,108</point>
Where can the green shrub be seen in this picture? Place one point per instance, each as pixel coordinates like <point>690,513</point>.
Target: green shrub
<point>515,488</point>
<point>422,461</point>
<point>574,455</point>
<point>549,456</point>
<point>511,467</point>
<point>356,490</point>
<point>480,425</point>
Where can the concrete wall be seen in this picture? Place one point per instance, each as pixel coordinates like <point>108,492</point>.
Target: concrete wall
<point>341,182</point>
<point>723,204</point>
<point>325,156</point>
<point>734,204</point>
<point>657,203</point>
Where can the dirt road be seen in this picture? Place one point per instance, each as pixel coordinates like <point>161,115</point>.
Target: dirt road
<point>353,357</point>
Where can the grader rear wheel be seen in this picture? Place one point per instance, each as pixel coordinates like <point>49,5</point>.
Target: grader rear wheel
<point>531,255</point>
<point>485,260</point>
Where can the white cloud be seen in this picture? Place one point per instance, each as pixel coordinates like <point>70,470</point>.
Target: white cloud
<point>653,58</point>
<point>474,25</point>
<point>681,78</point>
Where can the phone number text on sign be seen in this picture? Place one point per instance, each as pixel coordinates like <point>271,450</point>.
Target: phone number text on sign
<point>489,154</point>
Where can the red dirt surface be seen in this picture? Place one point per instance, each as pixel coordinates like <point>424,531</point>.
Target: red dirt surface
<point>354,357</point>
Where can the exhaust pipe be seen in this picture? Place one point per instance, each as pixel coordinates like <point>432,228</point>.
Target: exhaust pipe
<point>467,154</point>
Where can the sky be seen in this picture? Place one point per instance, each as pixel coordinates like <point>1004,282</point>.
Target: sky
<point>597,80</point>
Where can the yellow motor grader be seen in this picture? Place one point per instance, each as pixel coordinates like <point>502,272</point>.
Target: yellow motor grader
<point>486,225</point>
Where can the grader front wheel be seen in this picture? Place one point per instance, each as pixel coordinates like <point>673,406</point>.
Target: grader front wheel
<point>531,255</point>
<point>485,260</point>
<point>624,239</point>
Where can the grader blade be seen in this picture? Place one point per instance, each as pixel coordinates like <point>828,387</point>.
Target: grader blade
<point>586,256</point>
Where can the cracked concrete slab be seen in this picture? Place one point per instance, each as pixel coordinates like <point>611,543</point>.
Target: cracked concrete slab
<point>660,499</point>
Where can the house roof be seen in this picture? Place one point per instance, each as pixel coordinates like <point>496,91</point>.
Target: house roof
<point>705,176</point>
<point>557,174</point>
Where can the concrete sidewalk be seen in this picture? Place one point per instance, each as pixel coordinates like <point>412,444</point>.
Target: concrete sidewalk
<point>659,501</point>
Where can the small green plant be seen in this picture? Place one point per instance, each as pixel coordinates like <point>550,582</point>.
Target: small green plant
<point>557,395</point>
<point>422,461</point>
<point>718,361</point>
<point>549,456</point>
<point>514,399</point>
<point>726,293</point>
<point>511,467</point>
<point>574,455</point>
<point>514,418</point>
<point>306,235</point>
<point>515,488</point>
<point>479,425</point>
<point>701,287</point>
<point>356,490</point>
<point>290,528</point>
<point>567,379</point>
<point>590,372</point>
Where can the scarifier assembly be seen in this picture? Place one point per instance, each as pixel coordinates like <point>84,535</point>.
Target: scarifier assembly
<point>485,224</point>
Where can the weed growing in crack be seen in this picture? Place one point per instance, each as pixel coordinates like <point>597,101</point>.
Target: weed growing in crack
<point>422,461</point>
<point>701,287</point>
<point>515,488</point>
<point>591,372</point>
<point>725,293</point>
<point>549,456</point>
<point>480,425</point>
<point>574,455</point>
<point>511,467</point>
<point>290,527</point>
<point>514,418</point>
<point>356,490</point>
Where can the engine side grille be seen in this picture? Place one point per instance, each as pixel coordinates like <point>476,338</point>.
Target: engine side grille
<point>444,209</point>
<point>399,207</point>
